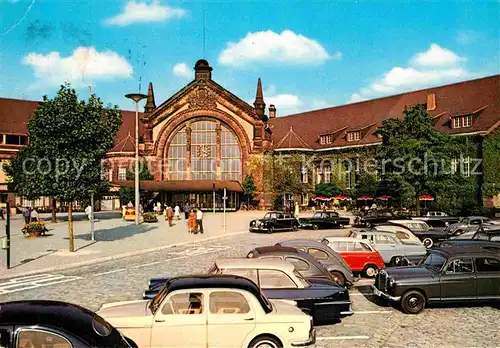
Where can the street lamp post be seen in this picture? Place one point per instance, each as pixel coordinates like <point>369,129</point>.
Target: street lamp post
<point>136,97</point>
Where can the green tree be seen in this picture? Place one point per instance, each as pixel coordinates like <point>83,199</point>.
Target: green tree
<point>126,194</point>
<point>248,188</point>
<point>68,140</point>
<point>327,189</point>
<point>414,153</point>
<point>144,173</point>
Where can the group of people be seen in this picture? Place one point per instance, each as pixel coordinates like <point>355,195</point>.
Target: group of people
<point>30,215</point>
<point>194,217</point>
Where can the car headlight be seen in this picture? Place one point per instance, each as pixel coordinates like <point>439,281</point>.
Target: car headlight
<point>392,282</point>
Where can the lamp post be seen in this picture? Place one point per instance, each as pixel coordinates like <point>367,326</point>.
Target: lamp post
<point>136,97</point>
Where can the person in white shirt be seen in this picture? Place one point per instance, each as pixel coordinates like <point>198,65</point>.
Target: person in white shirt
<point>34,215</point>
<point>88,210</point>
<point>177,212</point>
<point>199,220</point>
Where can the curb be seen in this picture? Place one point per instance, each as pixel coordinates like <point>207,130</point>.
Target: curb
<point>113,257</point>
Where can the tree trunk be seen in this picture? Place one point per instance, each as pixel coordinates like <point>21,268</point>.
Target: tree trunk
<point>70,227</point>
<point>417,204</point>
<point>53,204</point>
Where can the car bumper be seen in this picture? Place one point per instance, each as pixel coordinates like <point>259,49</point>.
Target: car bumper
<point>384,295</point>
<point>307,342</point>
<point>258,229</point>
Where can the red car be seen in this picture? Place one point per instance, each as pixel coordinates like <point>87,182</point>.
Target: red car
<point>359,254</point>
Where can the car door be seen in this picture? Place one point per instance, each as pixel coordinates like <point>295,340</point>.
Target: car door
<point>41,337</point>
<point>458,281</point>
<point>352,256</point>
<point>278,285</point>
<point>181,321</point>
<point>488,277</point>
<point>231,318</point>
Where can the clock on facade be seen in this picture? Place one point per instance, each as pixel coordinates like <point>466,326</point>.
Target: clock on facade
<point>203,151</point>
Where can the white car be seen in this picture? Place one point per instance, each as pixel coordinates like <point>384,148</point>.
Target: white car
<point>211,311</point>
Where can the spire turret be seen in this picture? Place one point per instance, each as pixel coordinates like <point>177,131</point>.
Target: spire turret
<point>259,104</point>
<point>150,103</point>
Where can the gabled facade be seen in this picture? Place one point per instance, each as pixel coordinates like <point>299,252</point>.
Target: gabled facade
<point>204,138</point>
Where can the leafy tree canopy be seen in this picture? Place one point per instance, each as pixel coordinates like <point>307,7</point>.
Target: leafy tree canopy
<point>144,173</point>
<point>248,186</point>
<point>327,189</point>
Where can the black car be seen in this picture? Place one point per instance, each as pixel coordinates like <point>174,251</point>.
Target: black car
<point>492,246</point>
<point>56,324</point>
<point>429,236</point>
<point>376,217</point>
<point>324,219</point>
<point>325,255</point>
<point>275,221</point>
<point>489,233</point>
<point>456,274</point>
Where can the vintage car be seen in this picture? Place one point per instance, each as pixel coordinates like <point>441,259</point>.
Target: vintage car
<point>279,280</point>
<point>456,274</point>
<point>200,311</point>
<point>489,233</point>
<point>275,221</point>
<point>55,324</point>
<point>469,224</point>
<point>377,217</point>
<point>486,244</point>
<point>357,253</point>
<point>424,232</point>
<point>394,251</point>
<point>308,266</point>
<point>324,219</point>
<point>401,232</point>
<point>325,255</point>
<point>438,219</point>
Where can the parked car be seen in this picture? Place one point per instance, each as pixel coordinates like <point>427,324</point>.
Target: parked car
<point>275,221</point>
<point>376,217</point>
<point>308,266</point>
<point>401,232</point>
<point>427,235</point>
<point>457,274</point>
<point>467,224</point>
<point>492,246</point>
<point>438,219</point>
<point>332,261</point>
<point>280,280</point>
<point>490,233</point>
<point>394,251</point>
<point>471,231</point>
<point>358,254</point>
<point>200,311</point>
<point>324,219</point>
<point>56,324</point>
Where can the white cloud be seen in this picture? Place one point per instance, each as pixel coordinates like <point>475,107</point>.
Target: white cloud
<point>320,104</point>
<point>268,46</point>
<point>182,70</point>
<point>435,66</point>
<point>142,12</point>
<point>284,101</point>
<point>437,56</point>
<point>83,67</point>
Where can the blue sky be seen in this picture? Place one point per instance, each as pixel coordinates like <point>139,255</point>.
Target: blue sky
<point>309,54</point>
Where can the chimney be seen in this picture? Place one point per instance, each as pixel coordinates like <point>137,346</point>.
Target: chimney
<point>203,70</point>
<point>272,111</point>
<point>431,101</point>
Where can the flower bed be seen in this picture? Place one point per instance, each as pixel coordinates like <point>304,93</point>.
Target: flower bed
<point>34,229</point>
<point>149,217</point>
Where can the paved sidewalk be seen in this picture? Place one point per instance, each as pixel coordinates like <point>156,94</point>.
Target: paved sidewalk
<point>115,238</point>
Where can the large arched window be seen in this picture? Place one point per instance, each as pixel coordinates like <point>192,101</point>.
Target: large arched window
<point>214,152</point>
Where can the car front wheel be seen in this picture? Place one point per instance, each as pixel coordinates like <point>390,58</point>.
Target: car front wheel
<point>413,302</point>
<point>265,342</point>
<point>315,227</point>
<point>370,271</point>
<point>270,229</point>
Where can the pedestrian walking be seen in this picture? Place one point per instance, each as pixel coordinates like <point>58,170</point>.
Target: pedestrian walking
<point>27,215</point>
<point>177,212</point>
<point>187,209</point>
<point>34,215</point>
<point>88,212</point>
<point>170,215</point>
<point>130,205</point>
<point>199,220</point>
<point>192,222</point>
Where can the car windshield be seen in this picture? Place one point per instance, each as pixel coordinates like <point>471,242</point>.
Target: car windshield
<point>270,216</point>
<point>317,215</point>
<point>435,260</point>
<point>157,301</point>
<point>302,280</point>
<point>214,269</point>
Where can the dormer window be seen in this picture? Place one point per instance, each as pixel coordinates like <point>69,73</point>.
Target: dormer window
<point>325,139</point>
<point>353,136</point>
<point>462,121</point>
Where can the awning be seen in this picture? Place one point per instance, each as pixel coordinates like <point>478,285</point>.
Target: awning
<point>184,185</point>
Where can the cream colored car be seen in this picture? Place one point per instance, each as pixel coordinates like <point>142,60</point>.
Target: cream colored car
<point>222,311</point>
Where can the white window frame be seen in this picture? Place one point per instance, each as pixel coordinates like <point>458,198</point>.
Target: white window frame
<point>456,122</point>
<point>122,174</point>
<point>467,121</point>
<point>466,166</point>
<point>328,173</point>
<point>353,136</point>
<point>454,165</point>
<point>304,177</point>
<point>329,139</point>
<point>322,140</point>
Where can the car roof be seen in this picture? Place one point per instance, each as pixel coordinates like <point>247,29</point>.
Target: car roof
<point>245,263</point>
<point>326,211</point>
<point>388,233</point>
<point>276,249</point>
<point>301,242</point>
<point>477,217</point>
<point>277,211</point>
<point>64,316</point>
<point>490,229</point>
<point>344,239</point>
<point>406,221</point>
<point>216,281</point>
<point>467,250</point>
